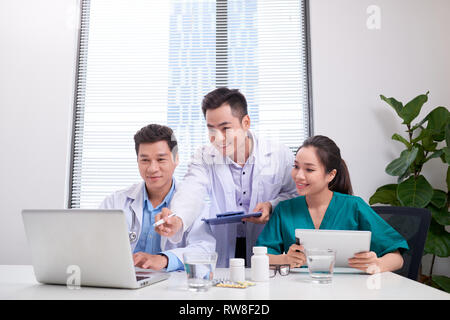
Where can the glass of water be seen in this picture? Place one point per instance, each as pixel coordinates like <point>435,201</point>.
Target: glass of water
<point>321,264</point>
<point>200,269</point>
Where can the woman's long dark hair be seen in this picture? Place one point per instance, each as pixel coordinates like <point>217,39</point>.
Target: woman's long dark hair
<point>330,156</point>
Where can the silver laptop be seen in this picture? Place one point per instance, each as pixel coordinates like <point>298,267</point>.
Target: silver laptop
<point>345,242</point>
<point>84,247</point>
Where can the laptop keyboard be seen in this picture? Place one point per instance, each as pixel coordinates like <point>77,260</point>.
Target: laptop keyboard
<point>139,278</point>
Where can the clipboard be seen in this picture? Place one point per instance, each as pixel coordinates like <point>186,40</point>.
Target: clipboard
<point>231,217</point>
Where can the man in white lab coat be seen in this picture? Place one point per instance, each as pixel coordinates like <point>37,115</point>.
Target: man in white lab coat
<point>238,171</point>
<point>157,157</point>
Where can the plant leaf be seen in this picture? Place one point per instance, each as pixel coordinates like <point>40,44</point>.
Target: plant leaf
<point>398,137</point>
<point>420,159</point>
<point>397,105</point>
<point>437,120</point>
<point>423,133</point>
<point>412,109</point>
<point>438,240</point>
<point>439,198</point>
<point>428,141</point>
<point>448,178</point>
<point>418,125</point>
<point>447,134</point>
<point>401,164</point>
<point>440,215</point>
<point>436,154</point>
<point>415,192</point>
<point>442,281</point>
<point>404,175</point>
<point>386,194</point>
<point>447,154</point>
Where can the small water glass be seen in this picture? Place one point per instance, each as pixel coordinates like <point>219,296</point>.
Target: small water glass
<point>321,264</point>
<point>200,268</point>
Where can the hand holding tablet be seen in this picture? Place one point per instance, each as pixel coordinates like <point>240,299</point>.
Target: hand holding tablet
<point>231,217</point>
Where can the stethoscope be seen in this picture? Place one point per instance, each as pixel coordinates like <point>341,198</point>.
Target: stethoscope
<point>132,234</point>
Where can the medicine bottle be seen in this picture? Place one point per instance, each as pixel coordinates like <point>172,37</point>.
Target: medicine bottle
<point>260,264</point>
<point>237,270</point>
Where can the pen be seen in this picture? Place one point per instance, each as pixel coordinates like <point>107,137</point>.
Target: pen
<point>160,222</point>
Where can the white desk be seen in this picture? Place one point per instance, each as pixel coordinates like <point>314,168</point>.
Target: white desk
<point>18,282</point>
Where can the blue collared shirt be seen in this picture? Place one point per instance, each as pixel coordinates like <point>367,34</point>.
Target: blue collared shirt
<point>243,178</point>
<point>149,240</point>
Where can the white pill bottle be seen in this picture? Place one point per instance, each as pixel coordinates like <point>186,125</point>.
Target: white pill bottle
<point>260,264</point>
<point>237,270</point>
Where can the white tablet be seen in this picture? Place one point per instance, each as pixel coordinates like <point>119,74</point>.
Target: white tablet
<point>345,242</point>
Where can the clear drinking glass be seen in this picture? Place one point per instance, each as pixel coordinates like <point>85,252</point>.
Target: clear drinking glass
<point>321,264</point>
<point>200,268</point>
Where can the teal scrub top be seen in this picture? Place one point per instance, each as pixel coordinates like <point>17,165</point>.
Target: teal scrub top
<point>345,212</point>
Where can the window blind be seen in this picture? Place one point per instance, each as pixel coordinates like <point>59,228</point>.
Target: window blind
<point>144,62</point>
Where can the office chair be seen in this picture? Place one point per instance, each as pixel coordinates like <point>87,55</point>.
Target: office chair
<point>412,224</point>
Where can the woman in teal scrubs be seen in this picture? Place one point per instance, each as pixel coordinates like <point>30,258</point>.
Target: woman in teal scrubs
<point>326,202</point>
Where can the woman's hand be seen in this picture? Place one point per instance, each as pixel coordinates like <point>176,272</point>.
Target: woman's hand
<point>365,261</point>
<point>295,256</point>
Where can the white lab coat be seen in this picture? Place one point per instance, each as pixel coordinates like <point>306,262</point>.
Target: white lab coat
<point>209,174</point>
<point>197,238</point>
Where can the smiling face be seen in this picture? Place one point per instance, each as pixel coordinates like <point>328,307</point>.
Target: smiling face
<point>226,131</point>
<point>309,173</point>
<point>156,165</point>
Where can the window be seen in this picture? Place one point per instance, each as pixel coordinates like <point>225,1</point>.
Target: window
<point>144,62</point>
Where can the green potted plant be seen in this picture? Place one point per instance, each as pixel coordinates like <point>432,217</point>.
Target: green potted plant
<point>423,141</point>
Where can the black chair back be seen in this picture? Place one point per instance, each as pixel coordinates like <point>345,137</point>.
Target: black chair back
<point>412,224</point>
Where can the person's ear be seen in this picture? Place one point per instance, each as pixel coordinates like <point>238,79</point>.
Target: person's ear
<point>245,123</point>
<point>331,175</point>
<point>177,160</point>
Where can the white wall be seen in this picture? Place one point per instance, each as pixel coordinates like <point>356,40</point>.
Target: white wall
<point>37,64</point>
<point>351,67</point>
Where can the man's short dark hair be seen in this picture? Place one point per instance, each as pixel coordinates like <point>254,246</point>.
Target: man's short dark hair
<point>154,133</point>
<point>219,96</point>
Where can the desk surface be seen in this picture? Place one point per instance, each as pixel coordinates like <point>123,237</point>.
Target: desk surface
<point>18,282</point>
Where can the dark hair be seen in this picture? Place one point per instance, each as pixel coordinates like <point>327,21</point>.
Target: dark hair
<point>330,156</point>
<point>219,96</point>
<point>154,133</point>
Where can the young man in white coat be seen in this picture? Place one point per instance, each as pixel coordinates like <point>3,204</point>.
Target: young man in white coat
<point>238,171</point>
<point>157,158</point>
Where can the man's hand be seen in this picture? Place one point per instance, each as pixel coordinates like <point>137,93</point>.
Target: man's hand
<point>150,261</point>
<point>171,225</point>
<point>265,208</point>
